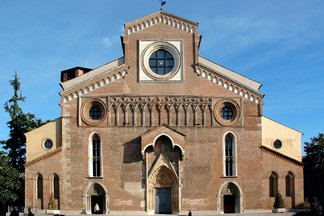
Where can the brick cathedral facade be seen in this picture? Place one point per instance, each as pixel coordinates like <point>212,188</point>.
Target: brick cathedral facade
<point>162,130</point>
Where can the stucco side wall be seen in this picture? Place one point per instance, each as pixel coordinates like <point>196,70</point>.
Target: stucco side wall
<point>290,138</point>
<point>35,139</point>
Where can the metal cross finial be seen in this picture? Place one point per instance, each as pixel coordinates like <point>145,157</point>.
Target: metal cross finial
<point>163,2</point>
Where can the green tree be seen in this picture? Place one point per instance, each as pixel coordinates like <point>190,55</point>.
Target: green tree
<point>314,168</point>
<point>279,201</point>
<point>316,146</point>
<point>8,179</point>
<point>51,202</point>
<point>19,124</point>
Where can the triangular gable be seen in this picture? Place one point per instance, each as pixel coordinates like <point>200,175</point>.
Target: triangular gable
<point>234,82</point>
<point>163,160</point>
<point>160,17</point>
<point>289,138</point>
<point>240,85</point>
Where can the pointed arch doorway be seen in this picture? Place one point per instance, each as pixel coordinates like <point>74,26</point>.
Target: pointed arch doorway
<point>95,194</point>
<point>163,191</point>
<point>230,198</point>
<point>162,162</point>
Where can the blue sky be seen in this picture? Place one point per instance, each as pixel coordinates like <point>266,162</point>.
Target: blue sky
<point>277,43</point>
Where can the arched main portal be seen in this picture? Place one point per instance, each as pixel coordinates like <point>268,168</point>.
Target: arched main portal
<point>162,174</point>
<point>230,199</point>
<point>95,194</point>
<point>163,191</point>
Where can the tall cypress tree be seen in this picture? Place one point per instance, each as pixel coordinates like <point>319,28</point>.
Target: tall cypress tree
<point>19,124</point>
<point>16,143</point>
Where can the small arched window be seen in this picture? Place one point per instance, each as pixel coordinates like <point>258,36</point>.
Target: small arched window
<point>290,184</point>
<point>229,155</point>
<point>40,189</point>
<point>273,184</point>
<point>96,156</point>
<point>39,186</point>
<point>56,186</point>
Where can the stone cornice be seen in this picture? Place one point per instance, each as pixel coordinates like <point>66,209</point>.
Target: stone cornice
<point>159,100</point>
<point>94,82</point>
<point>281,156</point>
<point>160,17</point>
<point>43,157</point>
<point>240,85</point>
<point>106,74</point>
<point>93,73</point>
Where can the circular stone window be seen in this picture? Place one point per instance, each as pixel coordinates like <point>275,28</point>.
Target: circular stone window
<point>93,112</point>
<point>227,112</point>
<point>160,61</point>
<point>48,144</point>
<point>277,144</point>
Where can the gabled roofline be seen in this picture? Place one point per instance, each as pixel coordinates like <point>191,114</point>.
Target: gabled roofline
<point>229,74</point>
<point>92,74</point>
<point>282,124</point>
<point>166,14</point>
<point>43,157</point>
<point>179,17</point>
<point>46,123</point>
<point>268,150</point>
<point>160,17</point>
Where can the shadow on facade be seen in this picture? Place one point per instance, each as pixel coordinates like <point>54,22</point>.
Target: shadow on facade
<point>132,151</point>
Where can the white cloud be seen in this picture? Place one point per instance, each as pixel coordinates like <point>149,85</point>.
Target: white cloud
<point>107,41</point>
<point>248,31</point>
<point>271,36</point>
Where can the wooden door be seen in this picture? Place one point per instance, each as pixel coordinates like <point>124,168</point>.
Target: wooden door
<point>163,201</point>
<point>229,203</point>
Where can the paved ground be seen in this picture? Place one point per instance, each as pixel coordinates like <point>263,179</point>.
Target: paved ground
<point>249,214</point>
<point>197,214</point>
<point>243,214</point>
<point>254,213</point>
<point>264,213</point>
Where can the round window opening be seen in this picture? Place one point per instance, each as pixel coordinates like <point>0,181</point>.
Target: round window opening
<point>48,144</point>
<point>95,112</point>
<point>277,144</point>
<point>227,113</point>
<point>161,62</point>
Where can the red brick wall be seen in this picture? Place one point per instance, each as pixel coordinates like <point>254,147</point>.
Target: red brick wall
<point>273,163</point>
<point>202,166</point>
